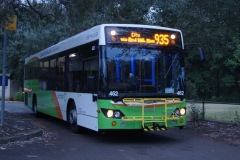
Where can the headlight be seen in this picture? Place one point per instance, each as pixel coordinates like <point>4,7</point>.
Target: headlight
<point>117,114</point>
<point>110,113</point>
<point>179,112</point>
<point>182,111</point>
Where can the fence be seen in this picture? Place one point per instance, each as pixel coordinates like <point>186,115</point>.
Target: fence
<point>222,112</point>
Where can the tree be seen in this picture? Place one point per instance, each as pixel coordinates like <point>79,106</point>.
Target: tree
<point>213,25</point>
<point>38,23</point>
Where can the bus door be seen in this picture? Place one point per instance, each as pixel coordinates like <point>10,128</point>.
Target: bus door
<point>88,106</point>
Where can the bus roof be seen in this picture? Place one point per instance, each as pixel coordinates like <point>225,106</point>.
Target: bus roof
<point>92,34</point>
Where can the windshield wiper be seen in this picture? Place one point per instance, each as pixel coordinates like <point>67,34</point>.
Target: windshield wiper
<point>170,66</point>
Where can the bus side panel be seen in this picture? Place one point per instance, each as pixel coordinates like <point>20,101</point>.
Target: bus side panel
<point>86,108</point>
<point>45,99</point>
<point>55,104</point>
<point>87,111</point>
<point>46,104</point>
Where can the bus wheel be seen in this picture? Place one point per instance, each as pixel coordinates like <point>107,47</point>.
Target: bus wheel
<point>72,118</point>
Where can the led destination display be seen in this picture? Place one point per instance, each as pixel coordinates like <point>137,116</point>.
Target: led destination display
<point>136,36</point>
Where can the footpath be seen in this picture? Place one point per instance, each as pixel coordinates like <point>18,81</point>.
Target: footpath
<point>15,126</point>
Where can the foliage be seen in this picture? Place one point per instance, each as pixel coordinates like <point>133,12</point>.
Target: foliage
<point>213,25</point>
<point>195,112</point>
<point>19,96</point>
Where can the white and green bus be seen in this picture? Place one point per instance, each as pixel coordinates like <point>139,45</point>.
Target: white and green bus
<point>111,77</point>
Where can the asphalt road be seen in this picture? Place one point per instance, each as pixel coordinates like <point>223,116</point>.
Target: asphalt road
<point>61,144</point>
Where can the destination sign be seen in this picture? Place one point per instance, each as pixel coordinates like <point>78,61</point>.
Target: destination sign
<point>138,36</point>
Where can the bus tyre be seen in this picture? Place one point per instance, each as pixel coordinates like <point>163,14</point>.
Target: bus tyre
<point>72,118</point>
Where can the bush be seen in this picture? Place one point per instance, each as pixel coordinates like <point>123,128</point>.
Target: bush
<point>19,96</point>
<point>195,113</point>
<point>237,119</point>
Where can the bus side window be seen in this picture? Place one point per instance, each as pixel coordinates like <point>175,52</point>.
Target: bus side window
<point>61,81</point>
<point>43,85</point>
<point>44,74</point>
<point>75,69</point>
<point>52,72</point>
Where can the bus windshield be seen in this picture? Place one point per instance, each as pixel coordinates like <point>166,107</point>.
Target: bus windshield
<point>143,71</point>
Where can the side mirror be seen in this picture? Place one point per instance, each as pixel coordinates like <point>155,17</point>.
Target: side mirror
<point>201,54</point>
<point>200,51</point>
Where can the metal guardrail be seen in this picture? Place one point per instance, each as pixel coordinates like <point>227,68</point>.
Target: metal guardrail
<point>143,102</point>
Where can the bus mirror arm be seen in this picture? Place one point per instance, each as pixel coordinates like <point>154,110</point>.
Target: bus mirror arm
<point>201,54</point>
<point>200,51</point>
